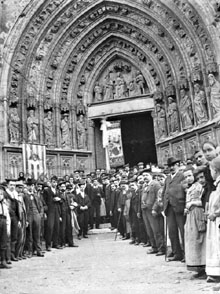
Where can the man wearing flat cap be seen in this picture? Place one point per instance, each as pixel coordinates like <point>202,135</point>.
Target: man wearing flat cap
<point>174,203</point>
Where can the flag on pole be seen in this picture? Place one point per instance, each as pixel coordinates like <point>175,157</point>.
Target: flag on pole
<point>115,149</point>
<point>34,159</point>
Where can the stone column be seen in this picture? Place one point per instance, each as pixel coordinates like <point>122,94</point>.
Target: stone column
<point>57,124</point>
<point>41,121</point>
<point>73,125</point>
<point>91,142</point>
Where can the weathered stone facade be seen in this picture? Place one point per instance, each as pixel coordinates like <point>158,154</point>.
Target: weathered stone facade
<point>65,63</point>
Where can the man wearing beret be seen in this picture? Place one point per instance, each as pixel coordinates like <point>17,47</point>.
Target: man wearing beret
<point>174,203</point>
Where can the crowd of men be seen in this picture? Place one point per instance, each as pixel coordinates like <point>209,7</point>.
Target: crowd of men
<point>135,201</point>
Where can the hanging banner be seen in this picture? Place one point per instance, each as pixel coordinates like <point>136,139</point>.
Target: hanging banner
<point>34,160</point>
<point>114,147</point>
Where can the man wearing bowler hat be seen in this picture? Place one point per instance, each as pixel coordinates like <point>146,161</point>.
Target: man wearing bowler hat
<point>174,202</point>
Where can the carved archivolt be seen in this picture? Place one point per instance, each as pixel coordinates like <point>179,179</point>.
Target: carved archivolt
<point>52,69</point>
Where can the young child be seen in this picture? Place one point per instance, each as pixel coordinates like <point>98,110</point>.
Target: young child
<point>195,225</point>
<point>4,229</point>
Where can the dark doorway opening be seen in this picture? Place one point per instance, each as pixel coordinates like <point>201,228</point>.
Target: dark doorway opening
<point>138,138</point>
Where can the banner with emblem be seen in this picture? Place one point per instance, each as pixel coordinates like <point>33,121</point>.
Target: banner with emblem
<point>114,147</point>
<point>34,160</point>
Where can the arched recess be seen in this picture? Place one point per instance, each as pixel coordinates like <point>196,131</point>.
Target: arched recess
<point>59,30</point>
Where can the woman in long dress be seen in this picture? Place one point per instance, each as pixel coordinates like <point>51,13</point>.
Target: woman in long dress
<point>195,227</point>
<point>213,227</point>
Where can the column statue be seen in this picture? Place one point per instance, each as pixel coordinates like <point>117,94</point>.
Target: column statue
<point>186,110</point>
<point>32,127</point>
<point>48,129</point>
<point>161,121</point>
<point>65,131</point>
<point>81,133</point>
<point>172,116</point>
<point>214,93</point>
<point>14,125</point>
<point>200,104</point>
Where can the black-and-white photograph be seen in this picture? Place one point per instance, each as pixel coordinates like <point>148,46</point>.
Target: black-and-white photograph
<point>109,146</point>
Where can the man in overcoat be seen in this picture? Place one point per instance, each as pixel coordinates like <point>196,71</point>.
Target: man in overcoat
<point>173,196</point>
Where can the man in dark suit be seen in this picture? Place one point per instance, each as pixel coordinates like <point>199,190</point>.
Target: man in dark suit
<point>173,196</point>
<point>88,191</point>
<point>107,195</point>
<point>97,194</point>
<point>151,221</point>
<point>53,201</point>
<point>113,206</point>
<point>83,209</point>
<point>133,212</point>
<point>34,208</point>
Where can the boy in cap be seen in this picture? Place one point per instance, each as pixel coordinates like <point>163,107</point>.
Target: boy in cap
<point>4,229</point>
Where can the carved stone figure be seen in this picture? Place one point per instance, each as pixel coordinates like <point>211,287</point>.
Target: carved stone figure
<point>65,131</point>
<point>109,88</point>
<point>14,125</point>
<point>48,129</point>
<point>161,121</point>
<point>98,90</point>
<point>120,88</point>
<point>214,93</point>
<point>185,110</point>
<point>172,116</point>
<point>32,127</point>
<point>81,133</point>
<point>140,82</point>
<point>200,104</point>
<point>80,107</point>
<point>132,88</point>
